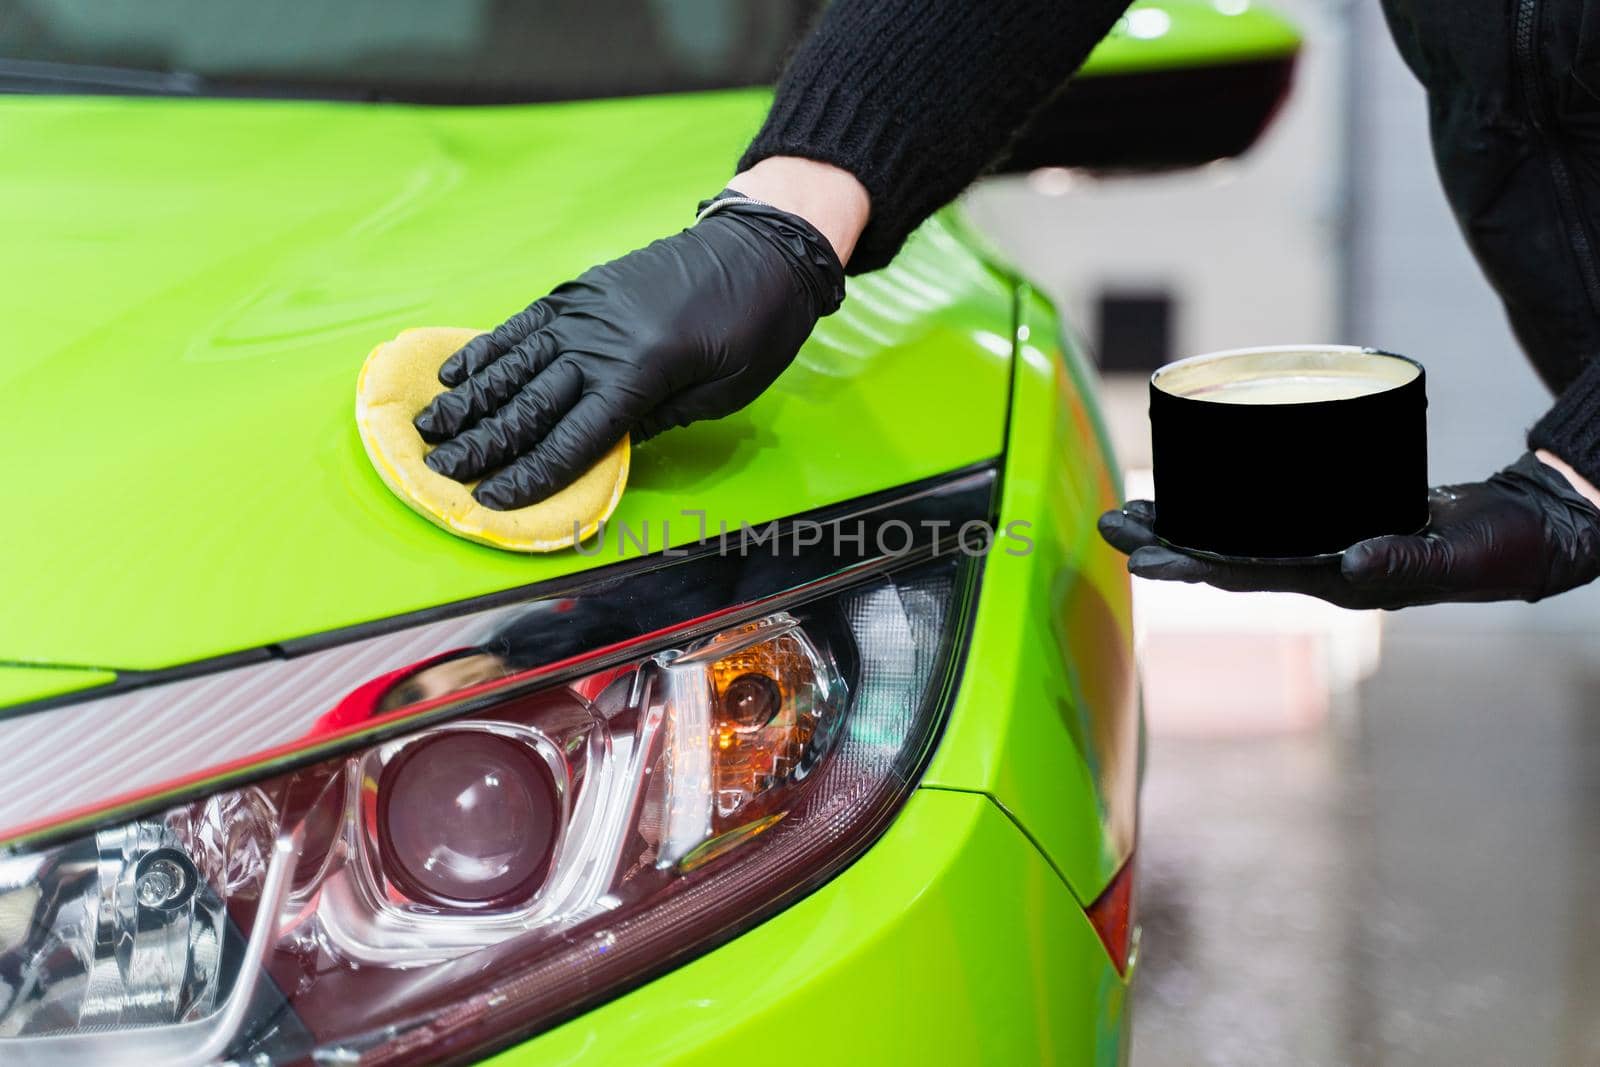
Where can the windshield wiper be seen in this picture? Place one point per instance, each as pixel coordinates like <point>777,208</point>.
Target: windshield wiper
<point>38,76</point>
<point>46,77</point>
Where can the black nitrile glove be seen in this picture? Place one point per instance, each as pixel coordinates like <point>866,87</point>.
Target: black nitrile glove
<point>693,326</point>
<point>1524,534</point>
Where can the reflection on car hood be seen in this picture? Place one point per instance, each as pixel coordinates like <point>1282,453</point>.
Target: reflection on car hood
<point>193,284</point>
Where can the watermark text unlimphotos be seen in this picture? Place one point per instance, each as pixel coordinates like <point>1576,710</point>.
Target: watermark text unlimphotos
<point>892,537</point>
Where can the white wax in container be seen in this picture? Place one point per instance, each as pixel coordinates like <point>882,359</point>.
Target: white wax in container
<point>1290,389</point>
<point>1302,374</point>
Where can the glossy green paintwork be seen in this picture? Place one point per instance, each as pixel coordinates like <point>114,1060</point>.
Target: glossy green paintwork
<point>950,942</point>
<point>190,286</point>
<point>1167,34</point>
<point>1046,718</point>
<point>21,684</point>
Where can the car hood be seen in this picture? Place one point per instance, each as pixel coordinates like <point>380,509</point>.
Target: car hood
<point>192,286</point>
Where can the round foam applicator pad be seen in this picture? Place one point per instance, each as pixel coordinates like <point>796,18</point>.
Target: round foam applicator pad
<point>397,381</point>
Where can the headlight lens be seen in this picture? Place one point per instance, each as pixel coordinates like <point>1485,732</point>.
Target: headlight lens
<point>468,818</point>
<point>441,891</point>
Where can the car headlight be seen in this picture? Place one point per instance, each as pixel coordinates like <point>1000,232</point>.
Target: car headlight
<point>489,848</point>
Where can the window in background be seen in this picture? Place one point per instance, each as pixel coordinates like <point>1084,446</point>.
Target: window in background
<point>1133,329</point>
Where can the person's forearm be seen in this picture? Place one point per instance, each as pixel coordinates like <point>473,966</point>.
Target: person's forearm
<point>916,97</point>
<point>1571,429</point>
<point>828,197</point>
<point>1579,482</point>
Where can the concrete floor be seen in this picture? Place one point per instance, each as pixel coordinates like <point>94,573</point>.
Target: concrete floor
<point>1414,883</point>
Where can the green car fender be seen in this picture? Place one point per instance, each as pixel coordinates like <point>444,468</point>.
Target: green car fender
<point>1046,719</point>
<point>950,941</point>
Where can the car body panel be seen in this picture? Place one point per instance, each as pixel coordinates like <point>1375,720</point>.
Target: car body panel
<point>1046,720</point>
<point>1157,35</point>
<point>185,319</point>
<point>951,941</point>
<point>18,685</point>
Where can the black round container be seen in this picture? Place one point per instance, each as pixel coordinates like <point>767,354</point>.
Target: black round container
<point>1288,453</point>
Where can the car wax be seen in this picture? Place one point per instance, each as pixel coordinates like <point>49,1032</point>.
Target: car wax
<point>1288,453</point>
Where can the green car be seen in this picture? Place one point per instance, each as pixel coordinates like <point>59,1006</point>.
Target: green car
<point>825,749</point>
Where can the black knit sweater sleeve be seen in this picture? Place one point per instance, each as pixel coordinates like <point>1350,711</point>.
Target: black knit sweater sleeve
<point>916,97</point>
<point>1571,429</point>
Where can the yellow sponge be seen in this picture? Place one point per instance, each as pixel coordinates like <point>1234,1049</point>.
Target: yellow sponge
<point>398,380</point>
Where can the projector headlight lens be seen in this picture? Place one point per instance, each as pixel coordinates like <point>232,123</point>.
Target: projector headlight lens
<point>468,818</point>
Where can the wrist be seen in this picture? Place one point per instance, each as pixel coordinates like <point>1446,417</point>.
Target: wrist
<point>829,198</point>
<point>1583,486</point>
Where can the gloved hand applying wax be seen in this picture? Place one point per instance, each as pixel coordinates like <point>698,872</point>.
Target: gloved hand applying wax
<point>1525,534</point>
<point>693,326</point>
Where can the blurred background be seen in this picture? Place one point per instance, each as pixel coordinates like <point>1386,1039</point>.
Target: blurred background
<point>1367,838</point>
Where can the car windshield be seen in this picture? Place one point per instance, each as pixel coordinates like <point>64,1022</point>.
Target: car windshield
<point>427,51</point>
